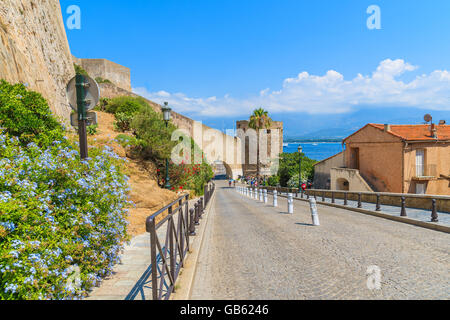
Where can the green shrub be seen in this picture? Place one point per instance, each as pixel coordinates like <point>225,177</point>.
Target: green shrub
<point>92,129</point>
<point>289,167</point>
<point>25,114</point>
<point>273,181</point>
<point>126,104</point>
<point>101,106</point>
<point>150,129</point>
<point>101,80</point>
<point>79,70</point>
<point>123,121</point>
<point>60,219</point>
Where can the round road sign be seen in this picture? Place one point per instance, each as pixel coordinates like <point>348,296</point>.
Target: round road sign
<point>92,93</point>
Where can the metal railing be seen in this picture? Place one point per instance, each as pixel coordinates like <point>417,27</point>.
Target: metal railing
<point>403,201</point>
<point>168,259</point>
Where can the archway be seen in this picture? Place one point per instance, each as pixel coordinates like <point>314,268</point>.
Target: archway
<point>222,170</point>
<point>342,184</point>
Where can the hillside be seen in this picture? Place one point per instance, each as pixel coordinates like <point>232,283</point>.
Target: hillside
<point>145,192</point>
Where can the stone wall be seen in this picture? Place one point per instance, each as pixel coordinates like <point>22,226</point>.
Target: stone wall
<point>271,145</point>
<point>34,49</point>
<point>117,74</point>
<point>322,170</point>
<point>217,145</point>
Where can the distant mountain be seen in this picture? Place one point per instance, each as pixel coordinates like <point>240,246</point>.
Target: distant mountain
<point>336,134</point>
<point>303,126</point>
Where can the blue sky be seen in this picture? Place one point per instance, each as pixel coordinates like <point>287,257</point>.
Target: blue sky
<point>216,60</point>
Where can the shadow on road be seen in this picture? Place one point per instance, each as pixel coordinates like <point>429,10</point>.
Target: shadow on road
<point>304,224</point>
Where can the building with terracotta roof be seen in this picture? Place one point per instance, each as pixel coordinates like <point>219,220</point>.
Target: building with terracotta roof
<point>396,158</point>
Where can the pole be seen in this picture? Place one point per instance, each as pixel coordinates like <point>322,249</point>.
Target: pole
<point>314,214</point>
<point>300,171</point>
<point>167,186</point>
<point>80,84</point>
<point>290,201</point>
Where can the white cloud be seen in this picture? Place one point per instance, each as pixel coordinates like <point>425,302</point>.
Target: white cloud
<point>329,93</point>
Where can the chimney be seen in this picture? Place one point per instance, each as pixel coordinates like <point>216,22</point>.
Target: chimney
<point>433,131</point>
<point>387,127</point>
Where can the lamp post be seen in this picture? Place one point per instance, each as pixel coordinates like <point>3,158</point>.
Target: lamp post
<point>300,150</point>
<point>166,116</point>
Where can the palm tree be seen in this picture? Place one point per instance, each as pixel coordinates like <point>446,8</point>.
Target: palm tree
<point>259,120</point>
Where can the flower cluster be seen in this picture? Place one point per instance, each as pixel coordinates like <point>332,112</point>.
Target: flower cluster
<point>62,220</point>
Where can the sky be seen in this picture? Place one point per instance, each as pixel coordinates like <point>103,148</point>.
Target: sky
<point>314,65</point>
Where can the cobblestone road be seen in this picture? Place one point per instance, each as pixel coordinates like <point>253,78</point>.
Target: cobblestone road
<point>254,251</point>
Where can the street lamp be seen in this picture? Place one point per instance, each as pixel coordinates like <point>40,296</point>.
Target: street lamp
<point>300,150</point>
<point>166,116</point>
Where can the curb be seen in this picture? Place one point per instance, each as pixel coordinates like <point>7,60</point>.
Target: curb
<point>189,270</point>
<point>418,223</point>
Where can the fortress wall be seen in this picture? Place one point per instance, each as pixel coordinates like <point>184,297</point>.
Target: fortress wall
<point>34,49</point>
<point>117,74</point>
<point>216,144</point>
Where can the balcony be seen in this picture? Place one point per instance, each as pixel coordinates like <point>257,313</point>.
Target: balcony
<point>425,173</point>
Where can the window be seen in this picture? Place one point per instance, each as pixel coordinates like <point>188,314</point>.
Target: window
<point>420,162</point>
<point>420,188</point>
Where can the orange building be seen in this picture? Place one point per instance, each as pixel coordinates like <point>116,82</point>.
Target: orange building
<point>396,158</point>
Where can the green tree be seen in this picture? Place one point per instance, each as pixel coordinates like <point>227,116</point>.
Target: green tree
<point>259,120</point>
<point>289,168</point>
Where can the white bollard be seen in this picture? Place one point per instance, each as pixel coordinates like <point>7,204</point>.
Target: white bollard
<point>275,198</point>
<point>314,214</point>
<point>290,203</point>
<point>261,195</point>
<point>265,195</point>
<point>255,193</point>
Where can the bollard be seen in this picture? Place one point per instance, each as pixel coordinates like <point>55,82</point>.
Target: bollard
<point>403,212</point>
<point>314,214</point>
<point>275,198</point>
<point>434,215</point>
<point>345,199</point>
<point>196,218</point>
<point>333,200</point>
<point>378,207</point>
<point>261,195</point>
<point>202,208</point>
<point>265,195</point>
<point>323,196</point>
<point>255,193</point>
<point>290,202</point>
<point>191,223</point>
<point>301,193</point>
<point>359,200</point>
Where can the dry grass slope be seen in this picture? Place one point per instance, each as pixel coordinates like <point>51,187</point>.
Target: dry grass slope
<point>145,192</point>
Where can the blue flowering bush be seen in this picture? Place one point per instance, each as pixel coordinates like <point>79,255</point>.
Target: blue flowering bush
<point>62,220</point>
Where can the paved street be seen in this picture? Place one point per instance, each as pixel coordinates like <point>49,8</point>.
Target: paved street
<point>254,251</point>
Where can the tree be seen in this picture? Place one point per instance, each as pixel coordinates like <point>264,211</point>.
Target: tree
<point>259,120</point>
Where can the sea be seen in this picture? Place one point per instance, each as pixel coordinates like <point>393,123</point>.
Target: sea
<point>315,150</point>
